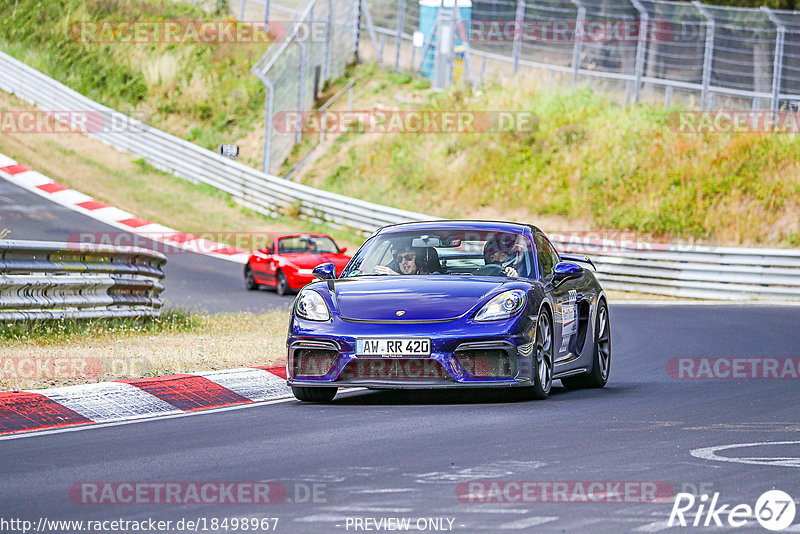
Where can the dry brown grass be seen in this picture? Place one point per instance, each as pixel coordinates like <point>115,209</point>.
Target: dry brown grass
<point>219,342</point>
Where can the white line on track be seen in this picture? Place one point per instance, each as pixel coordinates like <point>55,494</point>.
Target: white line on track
<point>527,522</point>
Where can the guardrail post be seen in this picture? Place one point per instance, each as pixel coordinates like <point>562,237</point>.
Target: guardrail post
<point>519,20</point>
<point>641,47</point>
<point>777,64</point>
<point>266,10</point>
<point>708,55</point>
<point>578,45</point>
<point>401,16</point>
<point>244,5</point>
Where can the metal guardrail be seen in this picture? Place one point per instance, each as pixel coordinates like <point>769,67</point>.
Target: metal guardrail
<point>696,272</point>
<point>47,280</point>
<point>262,192</point>
<point>719,273</point>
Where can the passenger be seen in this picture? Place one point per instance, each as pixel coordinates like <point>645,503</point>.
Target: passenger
<point>405,261</point>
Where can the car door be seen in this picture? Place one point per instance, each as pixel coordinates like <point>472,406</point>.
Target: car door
<point>563,297</point>
<point>264,266</point>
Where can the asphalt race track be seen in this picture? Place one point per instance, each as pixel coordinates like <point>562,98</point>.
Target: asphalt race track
<point>381,455</point>
<point>192,280</point>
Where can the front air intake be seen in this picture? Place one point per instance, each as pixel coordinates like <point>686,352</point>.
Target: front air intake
<point>485,363</point>
<point>313,362</point>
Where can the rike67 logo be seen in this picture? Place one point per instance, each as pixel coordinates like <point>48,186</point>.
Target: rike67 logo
<point>774,510</point>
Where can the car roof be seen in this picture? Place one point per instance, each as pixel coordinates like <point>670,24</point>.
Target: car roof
<point>447,224</point>
<point>309,234</point>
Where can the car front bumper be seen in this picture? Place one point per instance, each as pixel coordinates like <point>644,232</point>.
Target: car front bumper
<point>497,354</point>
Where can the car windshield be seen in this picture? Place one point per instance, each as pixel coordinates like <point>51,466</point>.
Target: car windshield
<point>315,244</point>
<point>452,252</point>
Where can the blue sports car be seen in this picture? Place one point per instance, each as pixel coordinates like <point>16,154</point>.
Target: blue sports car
<point>450,304</point>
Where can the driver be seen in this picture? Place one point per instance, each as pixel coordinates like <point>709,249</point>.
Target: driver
<point>502,251</point>
<point>311,246</point>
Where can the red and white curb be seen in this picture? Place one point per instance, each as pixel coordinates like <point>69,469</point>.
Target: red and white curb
<point>43,186</point>
<point>121,400</point>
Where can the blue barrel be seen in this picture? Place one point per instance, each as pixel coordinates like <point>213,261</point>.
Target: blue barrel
<point>428,11</point>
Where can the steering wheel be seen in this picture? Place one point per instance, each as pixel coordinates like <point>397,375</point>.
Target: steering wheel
<point>490,270</point>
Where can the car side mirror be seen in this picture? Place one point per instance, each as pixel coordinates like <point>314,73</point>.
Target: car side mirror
<point>343,250</point>
<point>266,250</point>
<point>324,271</point>
<point>565,270</point>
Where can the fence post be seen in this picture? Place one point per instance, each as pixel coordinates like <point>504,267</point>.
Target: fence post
<point>578,45</point>
<point>401,16</point>
<point>326,73</point>
<point>708,55</point>
<point>301,90</point>
<point>270,106</point>
<point>357,31</point>
<point>518,33</point>
<point>370,28</point>
<point>641,47</point>
<point>777,65</point>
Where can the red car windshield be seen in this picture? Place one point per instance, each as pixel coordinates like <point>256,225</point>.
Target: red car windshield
<point>313,244</point>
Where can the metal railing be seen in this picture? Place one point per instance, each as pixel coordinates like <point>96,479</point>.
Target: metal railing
<point>719,273</point>
<point>47,280</point>
<point>252,188</point>
<point>692,271</point>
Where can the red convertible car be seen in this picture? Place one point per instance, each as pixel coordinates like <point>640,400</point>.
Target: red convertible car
<point>287,264</point>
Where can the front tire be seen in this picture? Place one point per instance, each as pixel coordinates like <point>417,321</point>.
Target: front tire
<point>542,365</point>
<point>601,363</point>
<point>282,286</point>
<point>321,394</point>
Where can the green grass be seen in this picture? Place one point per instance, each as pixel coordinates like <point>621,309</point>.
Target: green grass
<point>58,331</point>
<point>203,92</point>
<point>585,158</point>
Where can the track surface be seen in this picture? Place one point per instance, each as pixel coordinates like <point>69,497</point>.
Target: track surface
<point>395,454</point>
<point>193,280</point>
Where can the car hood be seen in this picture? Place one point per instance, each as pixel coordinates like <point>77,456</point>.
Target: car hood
<point>420,298</point>
<point>306,260</point>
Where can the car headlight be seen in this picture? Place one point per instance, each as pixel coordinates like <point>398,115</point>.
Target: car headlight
<point>503,306</point>
<point>310,305</point>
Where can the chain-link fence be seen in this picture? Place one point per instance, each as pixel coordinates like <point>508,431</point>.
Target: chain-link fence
<point>319,42</point>
<point>717,56</point>
<point>707,56</point>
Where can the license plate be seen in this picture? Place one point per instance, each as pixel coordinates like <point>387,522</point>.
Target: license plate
<point>393,347</point>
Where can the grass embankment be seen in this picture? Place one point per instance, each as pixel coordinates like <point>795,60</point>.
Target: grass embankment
<point>120,180</point>
<point>203,92</point>
<point>587,164</point>
<point>58,353</point>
